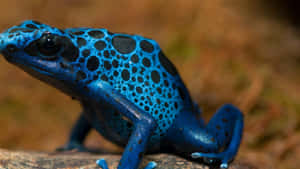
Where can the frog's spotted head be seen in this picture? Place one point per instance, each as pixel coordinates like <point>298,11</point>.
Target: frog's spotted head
<point>41,50</point>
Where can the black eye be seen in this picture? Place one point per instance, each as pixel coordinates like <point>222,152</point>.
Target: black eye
<point>49,45</point>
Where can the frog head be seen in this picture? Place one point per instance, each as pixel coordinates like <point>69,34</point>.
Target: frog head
<point>45,52</point>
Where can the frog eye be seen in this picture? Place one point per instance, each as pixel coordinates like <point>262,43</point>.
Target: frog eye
<point>49,45</point>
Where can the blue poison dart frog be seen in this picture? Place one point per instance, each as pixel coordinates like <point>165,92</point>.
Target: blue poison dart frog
<point>129,90</point>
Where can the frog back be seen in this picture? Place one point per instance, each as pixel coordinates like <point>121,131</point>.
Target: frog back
<point>137,68</point>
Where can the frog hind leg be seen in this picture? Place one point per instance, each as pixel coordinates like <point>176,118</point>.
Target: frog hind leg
<point>78,134</point>
<point>226,127</point>
<point>217,142</point>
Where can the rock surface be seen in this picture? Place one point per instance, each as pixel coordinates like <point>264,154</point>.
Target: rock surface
<point>72,160</point>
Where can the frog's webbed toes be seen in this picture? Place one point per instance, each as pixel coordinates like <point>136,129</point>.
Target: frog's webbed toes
<point>213,158</point>
<point>102,163</point>
<point>72,146</point>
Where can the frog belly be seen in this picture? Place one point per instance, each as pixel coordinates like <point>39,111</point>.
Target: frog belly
<point>114,127</point>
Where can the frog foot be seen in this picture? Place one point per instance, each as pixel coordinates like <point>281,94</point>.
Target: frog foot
<point>213,158</point>
<point>72,146</point>
<point>102,163</point>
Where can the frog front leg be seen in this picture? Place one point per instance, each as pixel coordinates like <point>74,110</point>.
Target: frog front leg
<point>78,134</point>
<point>144,125</point>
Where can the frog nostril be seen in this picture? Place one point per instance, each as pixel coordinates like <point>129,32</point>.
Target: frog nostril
<point>8,51</point>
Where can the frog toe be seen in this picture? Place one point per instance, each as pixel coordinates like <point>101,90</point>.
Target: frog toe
<point>224,165</point>
<point>102,163</point>
<point>151,165</point>
<point>205,155</point>
<point>72,146</point>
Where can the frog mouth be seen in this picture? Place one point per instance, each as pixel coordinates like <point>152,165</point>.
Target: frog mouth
<point>39,68</point>
<point>34,69</point>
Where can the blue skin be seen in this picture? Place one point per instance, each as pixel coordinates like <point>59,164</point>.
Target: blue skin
<point>130,93</point>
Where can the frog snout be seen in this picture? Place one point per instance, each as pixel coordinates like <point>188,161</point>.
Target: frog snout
<point>8,45</point>
<point>2,42</point>
<point>3,47</point>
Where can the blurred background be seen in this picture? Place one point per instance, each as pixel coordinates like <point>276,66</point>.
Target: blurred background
<point>227,51</point>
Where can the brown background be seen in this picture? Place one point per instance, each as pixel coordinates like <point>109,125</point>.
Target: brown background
<point>227,51</point>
